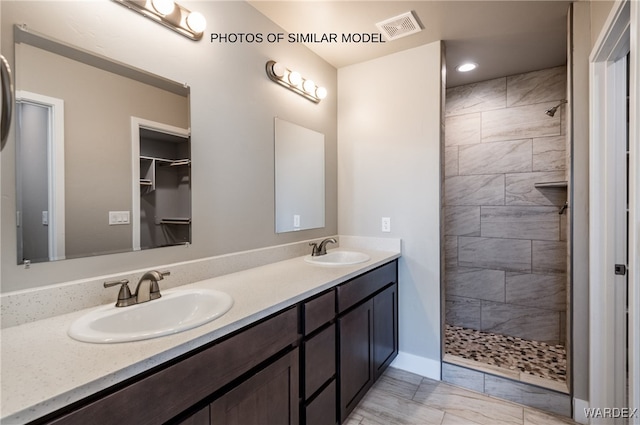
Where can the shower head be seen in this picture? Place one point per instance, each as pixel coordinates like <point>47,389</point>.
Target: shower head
<point>552,111</point>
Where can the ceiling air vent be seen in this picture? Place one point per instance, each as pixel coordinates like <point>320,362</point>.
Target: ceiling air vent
<point>399,26</point>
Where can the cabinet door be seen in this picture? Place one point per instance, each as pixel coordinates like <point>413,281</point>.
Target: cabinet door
<point>385,328</point>
<point>356,357</point>
<point>268,397</point>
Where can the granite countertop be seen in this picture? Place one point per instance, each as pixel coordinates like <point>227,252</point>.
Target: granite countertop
<point>43,369</point>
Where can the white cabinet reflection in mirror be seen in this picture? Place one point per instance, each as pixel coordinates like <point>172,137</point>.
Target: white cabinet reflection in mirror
<point>299,177</point>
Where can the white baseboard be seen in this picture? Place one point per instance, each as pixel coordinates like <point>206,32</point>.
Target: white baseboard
<point>579,407</point>
<point>419,365</point>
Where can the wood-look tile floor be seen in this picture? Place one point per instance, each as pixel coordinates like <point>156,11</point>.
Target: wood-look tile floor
<point>400,397</point>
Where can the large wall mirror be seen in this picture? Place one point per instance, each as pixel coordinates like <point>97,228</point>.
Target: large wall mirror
<point>299,177</point>
<point>102,154</point>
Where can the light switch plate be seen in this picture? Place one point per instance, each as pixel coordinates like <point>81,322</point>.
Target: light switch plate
<point>118,217</point>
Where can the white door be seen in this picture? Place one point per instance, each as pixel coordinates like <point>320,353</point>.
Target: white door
<point>40,215</point>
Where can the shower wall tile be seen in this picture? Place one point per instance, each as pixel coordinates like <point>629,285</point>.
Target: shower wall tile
<point>547,85</point>
<point>462,130</point>
<point>477,97</point>
<point>521,190</point>
<point>537,290</point>
<point>482,284</point>
<point>549,153</point>
<point>493,158</point>
<point>541,223</point>
<point>462,221</point>
<point>450,252</point>
<point>475,190</point>
<point>563,329</point>
<point>562,111</point>
<point>524,322</point>
<point>463,377</point>
<point>497,254</point>
<point>564,225</point>
<point>529,395</point>
<point>549,257</point>
<point>451,161</point>
<point>522,122</point>
<point>463,312</point>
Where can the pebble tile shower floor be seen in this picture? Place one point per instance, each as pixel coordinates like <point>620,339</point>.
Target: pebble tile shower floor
<point>517,354</point>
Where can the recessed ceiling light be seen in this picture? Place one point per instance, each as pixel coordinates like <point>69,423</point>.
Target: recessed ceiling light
<point>466,67</point>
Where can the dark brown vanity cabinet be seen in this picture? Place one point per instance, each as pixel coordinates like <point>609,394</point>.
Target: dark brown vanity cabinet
<point>310,363</point>
<point>240,370</point>
<point>368,332</point>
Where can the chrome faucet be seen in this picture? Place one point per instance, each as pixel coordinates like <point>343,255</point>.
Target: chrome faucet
<point>125,298</point>
<point>154,290</point>
<point>321,248</point>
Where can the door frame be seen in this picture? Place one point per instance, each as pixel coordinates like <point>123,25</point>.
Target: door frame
<point>55,169</point>
<point>619,36</point>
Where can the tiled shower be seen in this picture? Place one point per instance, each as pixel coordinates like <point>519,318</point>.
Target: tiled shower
<point>505,186</point>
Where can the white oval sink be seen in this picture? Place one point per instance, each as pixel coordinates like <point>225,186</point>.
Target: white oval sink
<point>174,312</point>
<point>338,258</point>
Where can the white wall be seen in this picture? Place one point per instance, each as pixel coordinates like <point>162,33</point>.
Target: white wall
<point>389,133</point>
<point>579,203</point>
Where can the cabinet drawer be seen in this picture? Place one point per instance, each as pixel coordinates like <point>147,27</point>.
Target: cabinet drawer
<point>319,360</point>
<point>268,397</point>
<point>319,311</point>
<point>322,410</point>
<point>361,287</point>
<point>158,397</point>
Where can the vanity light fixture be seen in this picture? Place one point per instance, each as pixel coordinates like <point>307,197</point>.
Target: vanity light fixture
<point>295,82</point>
<point>171,15</point>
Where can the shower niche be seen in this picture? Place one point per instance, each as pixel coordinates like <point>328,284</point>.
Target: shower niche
<point>165,189</point>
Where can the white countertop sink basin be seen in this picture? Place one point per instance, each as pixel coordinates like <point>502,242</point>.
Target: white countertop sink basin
<point>338,258</point>
<point>175,311</point>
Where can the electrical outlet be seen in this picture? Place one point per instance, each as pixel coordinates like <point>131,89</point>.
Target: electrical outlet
<point>296,220</point>
<point>386,224</point>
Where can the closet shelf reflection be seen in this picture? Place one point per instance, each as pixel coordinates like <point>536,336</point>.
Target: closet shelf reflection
<point>175,220</point>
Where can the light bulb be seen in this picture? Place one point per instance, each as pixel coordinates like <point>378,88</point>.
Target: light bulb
<point>295,78</point>
<point>321,92</point>
<point>278,69</point>
<point>466,67</point>
<point>196,22</point>
<point>163,7</point>
<point>309,86</point>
